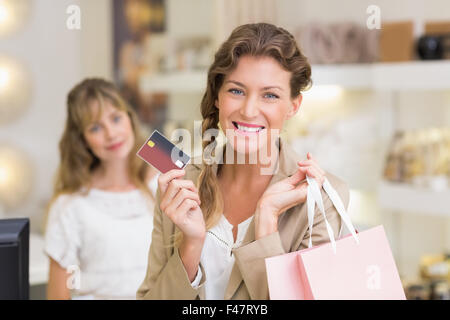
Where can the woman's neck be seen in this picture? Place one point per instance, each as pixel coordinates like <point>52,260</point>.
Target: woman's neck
<point>244,176</point>
<point>112,176</point>
<point>241,173</point>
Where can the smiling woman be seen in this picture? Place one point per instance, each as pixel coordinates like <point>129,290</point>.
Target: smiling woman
<point>257,104</point>
<point>214,228</point>
<point>110,133</point>
<point>103,199</point>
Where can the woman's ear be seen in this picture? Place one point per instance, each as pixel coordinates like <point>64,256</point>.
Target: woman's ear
<point>295,106</point>
<point>216,103</point>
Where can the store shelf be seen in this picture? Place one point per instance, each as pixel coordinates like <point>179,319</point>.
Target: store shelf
<point>418,75</point>
<point>350,76</point>
<point>176,82</point>
<point>406,198</point>
<point>414,75</point>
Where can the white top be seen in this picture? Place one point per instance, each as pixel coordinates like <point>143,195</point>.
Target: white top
<point>102,239</point>
<point>217,258</point>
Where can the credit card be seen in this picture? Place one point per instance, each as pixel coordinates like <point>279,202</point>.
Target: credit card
<point>162,154</point>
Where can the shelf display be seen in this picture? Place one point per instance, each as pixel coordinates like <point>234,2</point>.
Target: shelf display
<point>338,43</point>
<point>434,283</point>
<point>420,158</point>
<point>139,41</point>
<point>191,53</point>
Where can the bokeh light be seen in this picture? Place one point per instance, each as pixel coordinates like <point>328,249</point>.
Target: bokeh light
<point>14,14</point>
<point>15,89</point>
<point>16,176</point>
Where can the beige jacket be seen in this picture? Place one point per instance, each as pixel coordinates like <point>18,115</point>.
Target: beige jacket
<point>166,277</point>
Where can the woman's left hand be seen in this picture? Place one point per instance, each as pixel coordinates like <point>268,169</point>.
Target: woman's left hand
<point>285,194</point>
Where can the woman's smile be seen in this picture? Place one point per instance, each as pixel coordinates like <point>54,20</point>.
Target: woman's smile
<point>114,146</point>
<point>247,128</point>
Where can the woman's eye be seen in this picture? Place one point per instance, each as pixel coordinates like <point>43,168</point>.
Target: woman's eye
<point>236,91</point>
<point>271,96</point>
<point>117,118</point>
<point>94,128</point>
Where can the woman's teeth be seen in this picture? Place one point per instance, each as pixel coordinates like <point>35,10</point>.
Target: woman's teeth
<point>248,129</point>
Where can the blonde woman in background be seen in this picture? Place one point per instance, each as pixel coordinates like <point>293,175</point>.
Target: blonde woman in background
<point>100,218</point>
<point>226,218</point>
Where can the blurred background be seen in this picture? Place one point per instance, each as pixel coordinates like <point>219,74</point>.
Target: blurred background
<point>377,115</point>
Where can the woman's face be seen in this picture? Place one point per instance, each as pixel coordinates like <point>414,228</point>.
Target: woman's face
<point>255,101</point>
<point>111,137</point>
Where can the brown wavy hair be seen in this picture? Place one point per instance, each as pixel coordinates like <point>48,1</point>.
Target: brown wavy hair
<point>257,40</point>
<point>77,161</point>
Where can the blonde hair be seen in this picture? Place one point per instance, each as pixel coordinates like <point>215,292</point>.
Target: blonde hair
<point>77,161</point>
<point>258,40</point>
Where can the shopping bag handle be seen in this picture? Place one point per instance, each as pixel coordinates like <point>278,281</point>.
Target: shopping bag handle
<point>314,196</point>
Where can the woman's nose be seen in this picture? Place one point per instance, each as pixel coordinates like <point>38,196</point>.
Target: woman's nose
<point>250,108</point>
<point>109,131</point>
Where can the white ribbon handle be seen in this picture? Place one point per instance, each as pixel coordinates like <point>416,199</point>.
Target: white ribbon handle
<point>314,196</point>
<point>337,202</point>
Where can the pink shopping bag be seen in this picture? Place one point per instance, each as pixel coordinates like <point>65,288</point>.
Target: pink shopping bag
<point>358,266</point>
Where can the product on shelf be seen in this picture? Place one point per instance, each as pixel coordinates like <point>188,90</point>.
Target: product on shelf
<point>417,291</point>
<point>434,282</point>
<point>341,42</point>
<point>420,157</point>
<point>440,290</point>
<point>435,267</point>
<point>397,41</point>
<point>438,47</point>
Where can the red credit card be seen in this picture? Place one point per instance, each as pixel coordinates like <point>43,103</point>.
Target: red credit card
<point>162,154</point>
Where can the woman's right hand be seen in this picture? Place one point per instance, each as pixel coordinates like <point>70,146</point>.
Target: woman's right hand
<point>181,203</point>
